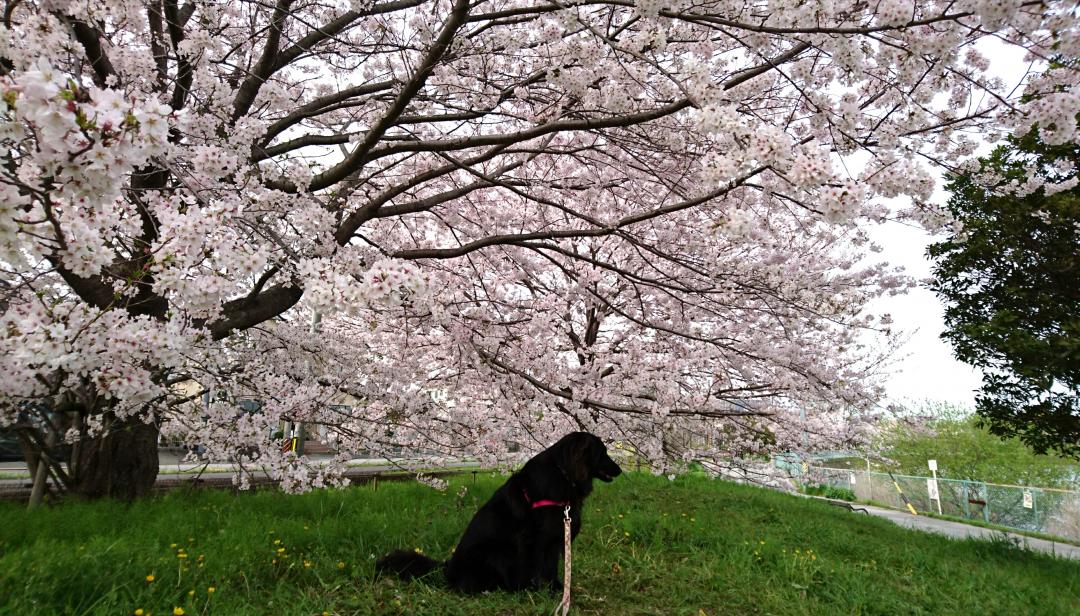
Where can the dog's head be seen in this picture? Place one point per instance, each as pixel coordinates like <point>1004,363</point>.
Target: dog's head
<point>585,457</point>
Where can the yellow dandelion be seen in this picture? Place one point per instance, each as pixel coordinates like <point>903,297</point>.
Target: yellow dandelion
<point>181,555</point>
<point>172,545</point>
<point>341,564</point>
<point>191,593</point>
<point>139,612</point>
<point>277,541</point>
<point>307,564</point>
<point>211,590</point>
<point>761,542</point>
<point>178,611</point>
<point>150,578</point>
<point>418,550</point>
<point>280,550</point>
<point>626,533</point>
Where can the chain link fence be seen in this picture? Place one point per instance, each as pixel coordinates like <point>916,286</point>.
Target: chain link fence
<point>1045,510</point>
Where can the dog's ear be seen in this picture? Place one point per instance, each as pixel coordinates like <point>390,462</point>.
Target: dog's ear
<point>574,458</point>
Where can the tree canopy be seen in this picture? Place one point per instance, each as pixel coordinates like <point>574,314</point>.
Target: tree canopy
<point>1009,276</point>
<point>516,217</point>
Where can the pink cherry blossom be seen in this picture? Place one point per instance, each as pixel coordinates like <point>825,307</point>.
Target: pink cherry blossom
<point>512,218</point>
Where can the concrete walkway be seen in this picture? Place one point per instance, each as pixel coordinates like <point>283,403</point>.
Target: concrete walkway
<point>958,530</point>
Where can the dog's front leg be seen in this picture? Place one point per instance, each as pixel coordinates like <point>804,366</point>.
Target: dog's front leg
<point>548,562</point>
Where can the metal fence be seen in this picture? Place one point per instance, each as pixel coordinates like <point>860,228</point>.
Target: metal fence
<point>1046,510</point>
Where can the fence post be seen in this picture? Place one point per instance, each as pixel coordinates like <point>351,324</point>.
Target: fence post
<point>985,491</point>
<point>1035,507</point>
<point>964,491</point>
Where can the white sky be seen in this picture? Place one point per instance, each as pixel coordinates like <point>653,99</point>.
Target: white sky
<point>925,368</point>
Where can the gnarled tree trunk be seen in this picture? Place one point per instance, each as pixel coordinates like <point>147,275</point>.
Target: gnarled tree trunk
<point>122,463</point>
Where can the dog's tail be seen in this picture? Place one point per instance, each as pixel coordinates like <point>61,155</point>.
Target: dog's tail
<point>407,564</point>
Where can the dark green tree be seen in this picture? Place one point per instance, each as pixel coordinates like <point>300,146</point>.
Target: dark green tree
<point>1009,275</point>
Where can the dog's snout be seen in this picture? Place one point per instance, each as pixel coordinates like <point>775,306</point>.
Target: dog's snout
<point>608,470</point>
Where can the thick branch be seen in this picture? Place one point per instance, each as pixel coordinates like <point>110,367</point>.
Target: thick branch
<point>267,62</point>
<point>90,39</point>
<point>567,394</point>
<point>438,49</point>
<point>518,238</point>
<point>246,312</point>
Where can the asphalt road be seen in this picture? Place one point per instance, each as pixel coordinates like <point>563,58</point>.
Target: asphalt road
<point>957,530</point>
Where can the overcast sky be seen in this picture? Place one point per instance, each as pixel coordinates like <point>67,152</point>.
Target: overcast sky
<point>926,369</point>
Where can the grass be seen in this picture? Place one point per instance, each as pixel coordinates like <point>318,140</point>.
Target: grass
<point>649,546</point>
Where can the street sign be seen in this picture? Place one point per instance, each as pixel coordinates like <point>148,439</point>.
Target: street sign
<point>931,484</point>
<point>1029,500</point>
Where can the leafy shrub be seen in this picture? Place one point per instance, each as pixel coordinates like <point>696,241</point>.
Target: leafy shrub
<point>830,492</point>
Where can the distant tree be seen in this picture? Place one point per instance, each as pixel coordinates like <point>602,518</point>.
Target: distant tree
<point>965,449</point>
<point>1008,275</point>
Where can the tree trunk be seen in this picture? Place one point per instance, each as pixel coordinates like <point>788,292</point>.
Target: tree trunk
<point>41,476</point>
<point>121,464</point>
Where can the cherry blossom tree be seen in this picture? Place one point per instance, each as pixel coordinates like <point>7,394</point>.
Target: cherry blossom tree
<point>644,219</point>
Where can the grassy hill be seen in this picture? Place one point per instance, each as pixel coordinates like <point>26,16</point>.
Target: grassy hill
<point>649,546</point>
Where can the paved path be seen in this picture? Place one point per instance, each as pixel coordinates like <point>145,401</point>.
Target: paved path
<point>958,530</point>
<point>221,475</point>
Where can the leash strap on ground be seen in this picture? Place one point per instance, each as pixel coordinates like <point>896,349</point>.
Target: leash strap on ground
<point>564,605</point>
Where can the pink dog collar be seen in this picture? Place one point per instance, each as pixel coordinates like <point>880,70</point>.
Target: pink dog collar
<point>543,503</point>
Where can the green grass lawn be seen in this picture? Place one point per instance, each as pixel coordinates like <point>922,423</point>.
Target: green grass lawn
<point>648,546</point>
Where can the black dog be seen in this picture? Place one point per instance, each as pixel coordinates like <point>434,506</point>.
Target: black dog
<point>515,540</point>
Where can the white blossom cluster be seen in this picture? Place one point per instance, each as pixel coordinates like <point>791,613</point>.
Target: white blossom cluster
<point>895,12</point>
<point>387,282</point>
<point>78,144</point>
